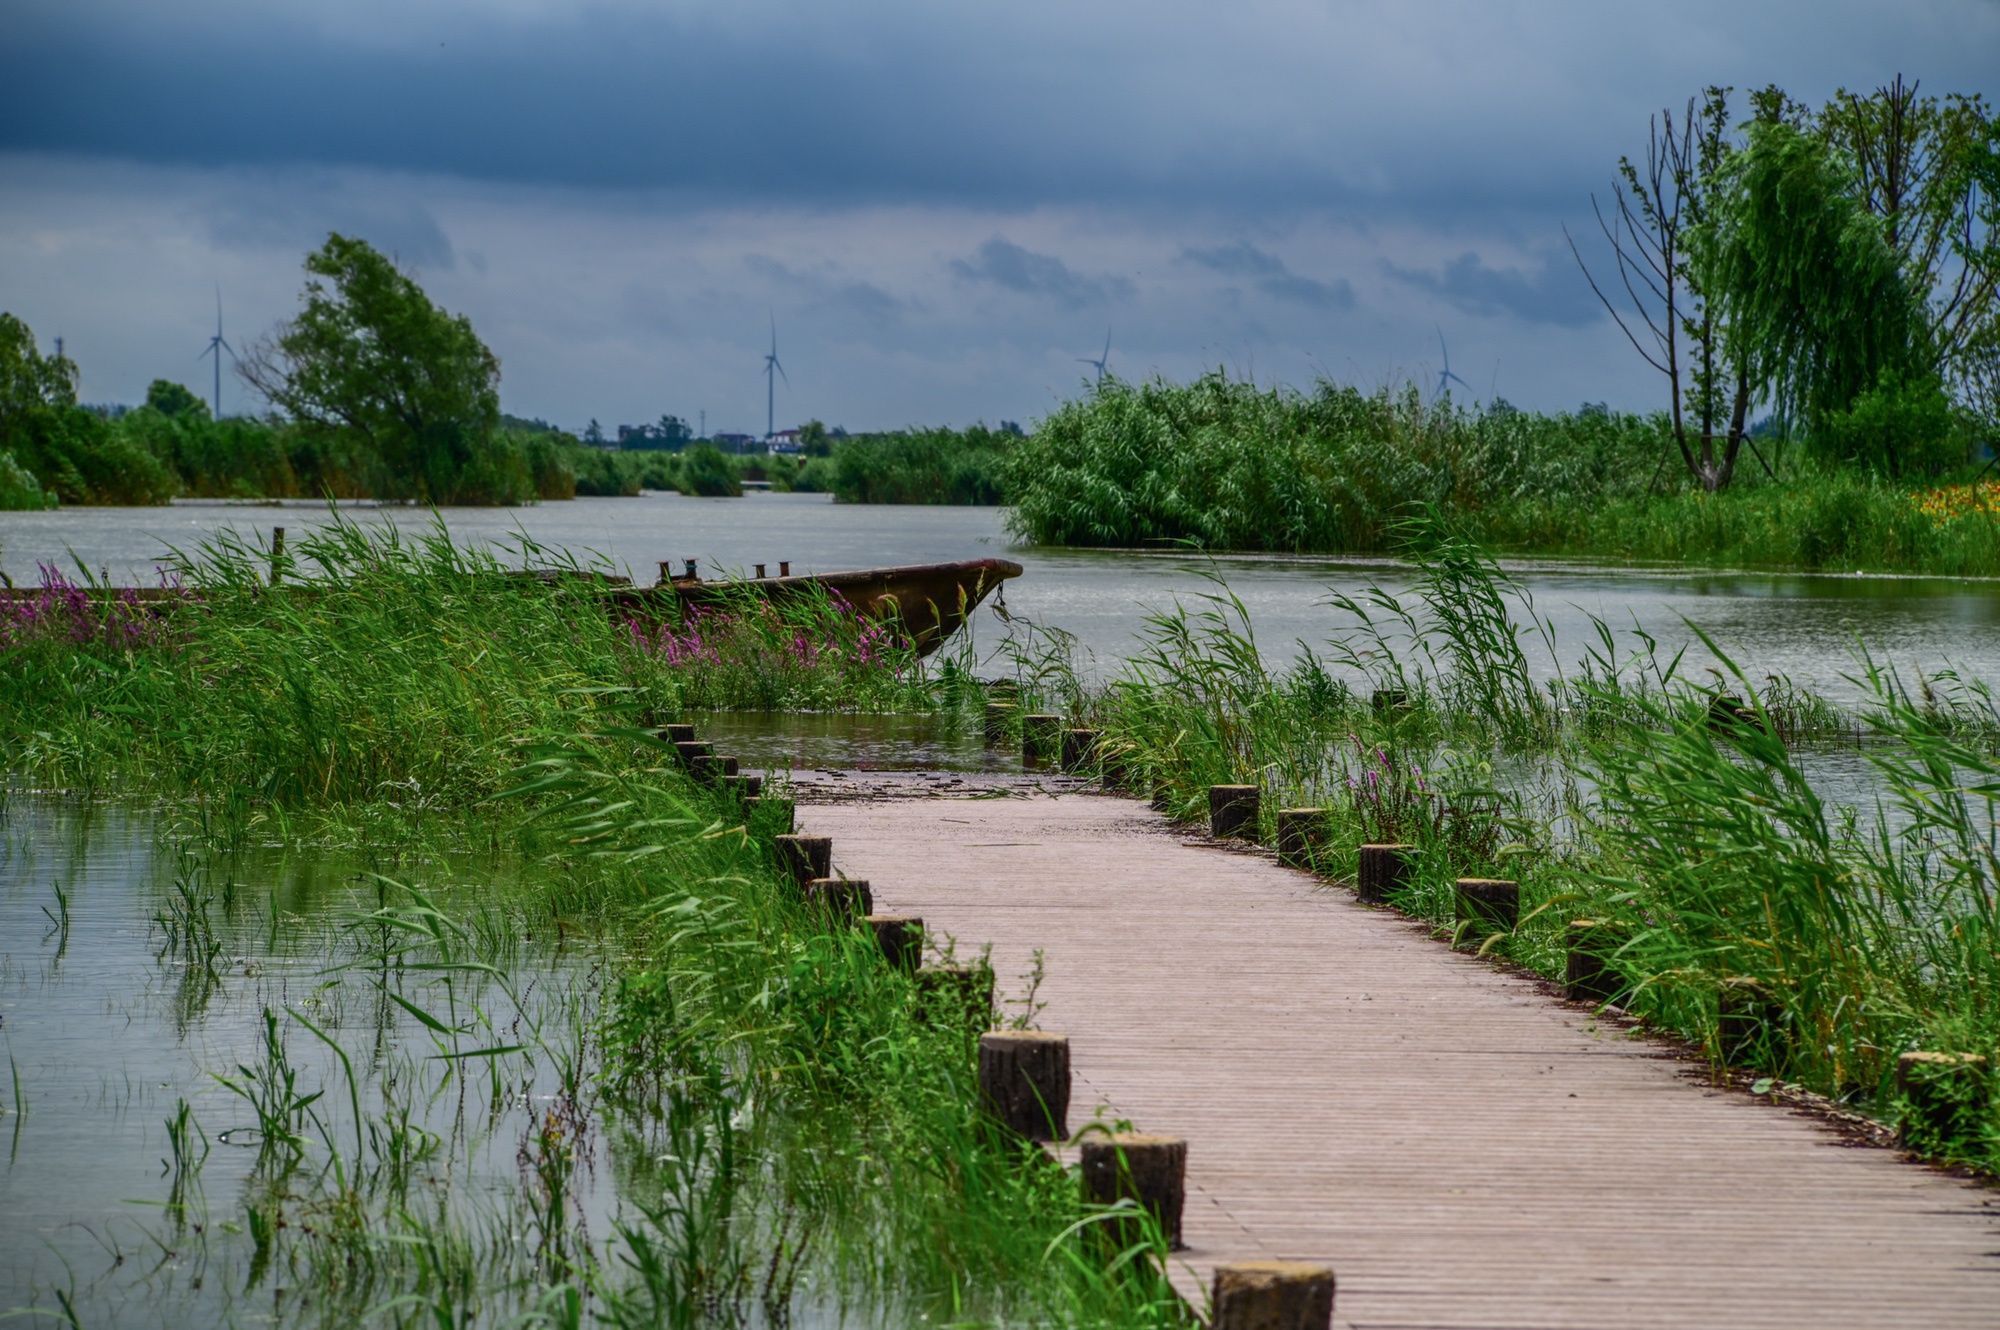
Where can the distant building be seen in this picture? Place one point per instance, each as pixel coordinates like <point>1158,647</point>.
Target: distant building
<point>735,443</point>
<point>784,441</point>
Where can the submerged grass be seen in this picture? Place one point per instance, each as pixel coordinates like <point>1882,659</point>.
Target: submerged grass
<point>568,956</point>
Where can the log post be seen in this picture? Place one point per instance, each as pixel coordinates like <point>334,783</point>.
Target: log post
<point>1024,1081</point>
<point>277,555</point>
<point>841,899</point>
<point>1489,904</point>
<point>1384,870</point>
<point>901,937</point>
<point>690,749</point>
<point>1301,836</point>
<point>1232,811</point>
<point>999,722</point>
<point>1271,1295</point>
<point>706,768</point>
<point>1387,700</point>
<point>960,995</point>
<point>1039,737</point>
<point>1163,797</point>
<point>1589,975</point>
<point>677,734</point>
<point>1151,1170</point>
<point>1079,749</point>
<point>1947,1102</point>
<point>805,857</point>
<point>1749,1024</point>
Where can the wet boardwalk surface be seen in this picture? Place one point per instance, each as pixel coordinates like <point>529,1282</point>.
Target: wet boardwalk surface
<point>1462,1148</point>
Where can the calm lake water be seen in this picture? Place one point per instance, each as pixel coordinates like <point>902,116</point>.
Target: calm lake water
<point>107,1029</point>
<point>1804,626</point>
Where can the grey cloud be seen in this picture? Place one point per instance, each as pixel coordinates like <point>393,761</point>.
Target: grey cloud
<point>1006,264</point>
<point>1554,293</point>
<point>297,215</point>
<point>1271,275</point>
<point>826,288</point>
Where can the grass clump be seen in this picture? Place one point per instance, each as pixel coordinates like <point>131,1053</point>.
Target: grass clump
<point>382,670</point>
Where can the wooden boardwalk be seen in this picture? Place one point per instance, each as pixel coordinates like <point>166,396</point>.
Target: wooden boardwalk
<point>1463,1149</point>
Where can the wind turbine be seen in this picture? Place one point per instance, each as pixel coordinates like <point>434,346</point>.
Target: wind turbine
<point>1445,375</point>
<point>216,346</point>
<point>773,371</point>
<point>1102,361</point>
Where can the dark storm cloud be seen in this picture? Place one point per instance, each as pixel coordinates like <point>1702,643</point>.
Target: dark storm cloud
<point>1271,276</point>
<point>1554,291</point>
<point>1006,264</point>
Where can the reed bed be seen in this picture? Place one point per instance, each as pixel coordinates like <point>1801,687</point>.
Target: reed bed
<point>556,962</point>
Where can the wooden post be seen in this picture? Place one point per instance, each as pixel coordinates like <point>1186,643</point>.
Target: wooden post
<point>1589,975</point>
<point>1151,1170</point>
<point>1038,737</point>
<point>677,734</point>
<point>277,555</point>
<point>744,787</point>
<point>706,768</point>
<point>843,899</point>
<point>730,767</point>
<point>1489,904</point>
<point>1387,700</point>
<point>1272,1295</point>
<point>999,720</point>
<point>805,857</point>
<point>1163,797</point>
<point>784,567</point>
<point>956,994</point>
<point>690,749</point>
<point>901,937</point>
<point>1301,836</point>
<point>1947,1102</point>
<point>760,572</point>
<point>1079,749</point>
<point>1232,811</point>
<point>1384,871</point>
<point>1024,1081</point>
<point>1749,1024</point>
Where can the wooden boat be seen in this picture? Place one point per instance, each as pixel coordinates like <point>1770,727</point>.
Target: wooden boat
<point>927,602</point>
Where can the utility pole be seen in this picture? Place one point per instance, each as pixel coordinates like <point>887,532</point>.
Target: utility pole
<point>704,424</point>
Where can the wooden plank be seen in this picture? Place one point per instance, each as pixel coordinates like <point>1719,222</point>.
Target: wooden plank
<point>1464,1150</point>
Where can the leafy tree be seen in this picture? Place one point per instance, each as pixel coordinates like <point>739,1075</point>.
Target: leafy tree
<point>63,449</point>
<point>29,380</point>
<point>370,357</point>
<point>174,400</point>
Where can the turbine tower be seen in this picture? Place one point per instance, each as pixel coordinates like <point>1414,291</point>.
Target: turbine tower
<point>773,371</point>
<point>216,346</point>
<point>1445,376</point>
<point>1101,361</point>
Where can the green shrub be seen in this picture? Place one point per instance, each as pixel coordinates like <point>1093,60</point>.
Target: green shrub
<point>19,490</point>
<point>706,471</point>
<point>922,466</point>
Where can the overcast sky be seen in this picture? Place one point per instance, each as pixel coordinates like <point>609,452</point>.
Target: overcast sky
<point>942,205</point>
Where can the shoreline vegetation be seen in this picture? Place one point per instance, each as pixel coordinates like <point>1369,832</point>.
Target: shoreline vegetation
<point>790,1124</point>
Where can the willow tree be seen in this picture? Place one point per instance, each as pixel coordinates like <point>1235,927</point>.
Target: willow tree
<point>1812,295</point>
<point>1929,170</point>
